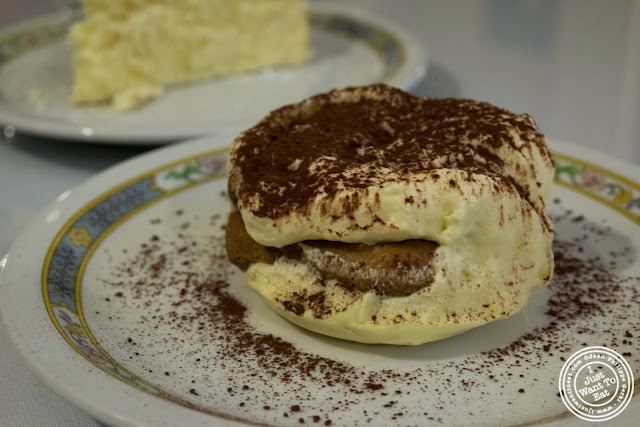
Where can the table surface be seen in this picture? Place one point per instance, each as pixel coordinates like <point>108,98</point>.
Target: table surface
<point>571,64</point>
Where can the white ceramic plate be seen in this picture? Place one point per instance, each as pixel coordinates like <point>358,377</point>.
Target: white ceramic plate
<point>107,321</point>
<point>350,48</point>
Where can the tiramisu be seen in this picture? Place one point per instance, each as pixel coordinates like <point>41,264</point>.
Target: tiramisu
<point>376,216</point>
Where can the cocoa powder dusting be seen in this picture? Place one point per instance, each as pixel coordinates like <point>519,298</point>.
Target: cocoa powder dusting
<point>234,359</point>
<point>292,157</point>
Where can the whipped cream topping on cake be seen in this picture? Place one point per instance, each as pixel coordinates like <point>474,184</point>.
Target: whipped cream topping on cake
<point>375,164</point>
<point>323,187</point>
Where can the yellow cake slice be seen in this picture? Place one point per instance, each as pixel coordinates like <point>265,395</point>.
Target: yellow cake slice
<point>127,51</point>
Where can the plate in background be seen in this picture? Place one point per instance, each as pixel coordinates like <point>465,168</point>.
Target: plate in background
<point>350,48</point>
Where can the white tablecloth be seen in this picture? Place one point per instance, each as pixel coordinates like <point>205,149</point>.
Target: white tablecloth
<point>25,401</point>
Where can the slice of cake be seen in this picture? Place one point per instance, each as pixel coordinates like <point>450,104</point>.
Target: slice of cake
<point>127,51</point>
<point>372,215</point>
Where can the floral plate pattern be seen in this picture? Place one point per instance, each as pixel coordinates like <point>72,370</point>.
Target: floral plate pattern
<point>610,188</point>
<point>72,249</point>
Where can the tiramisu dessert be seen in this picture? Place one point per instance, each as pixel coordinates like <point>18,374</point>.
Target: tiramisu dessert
<point>372,215</point>
<point>125,52</point>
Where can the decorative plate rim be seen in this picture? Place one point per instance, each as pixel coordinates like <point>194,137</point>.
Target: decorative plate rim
<point>580,180</point>
<point>567,168</point>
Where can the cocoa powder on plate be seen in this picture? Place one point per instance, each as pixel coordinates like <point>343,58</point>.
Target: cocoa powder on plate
<point>588,296</point>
